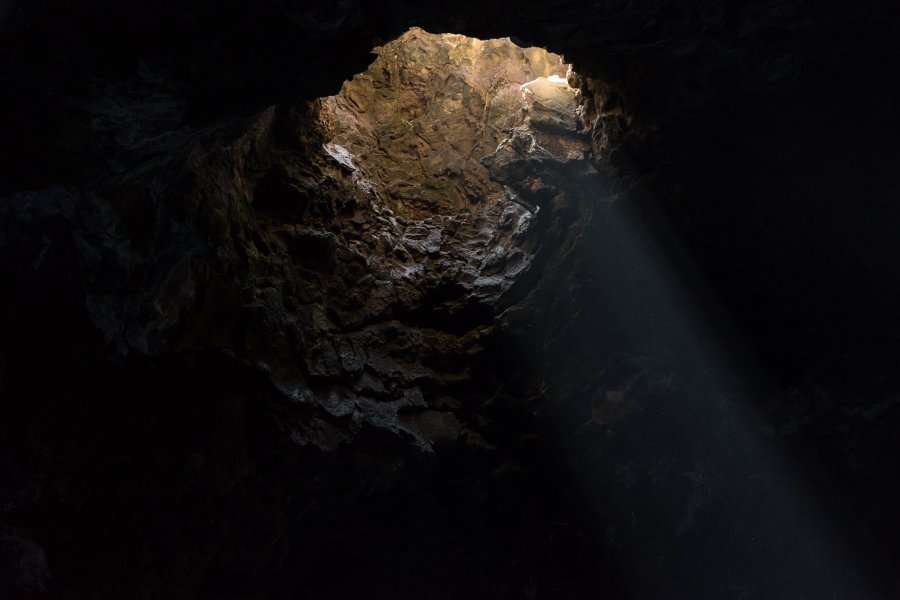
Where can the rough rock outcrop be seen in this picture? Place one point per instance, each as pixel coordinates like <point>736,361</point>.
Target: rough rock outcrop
<point>395,291</point>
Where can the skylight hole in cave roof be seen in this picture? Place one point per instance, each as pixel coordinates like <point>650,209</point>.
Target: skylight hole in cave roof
<point>415,126</point>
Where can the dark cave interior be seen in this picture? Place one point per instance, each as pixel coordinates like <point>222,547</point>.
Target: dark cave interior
<point>321,300</point>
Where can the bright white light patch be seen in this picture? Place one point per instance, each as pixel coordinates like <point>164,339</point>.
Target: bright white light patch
<point>558,80</point>
<point>554,79</point>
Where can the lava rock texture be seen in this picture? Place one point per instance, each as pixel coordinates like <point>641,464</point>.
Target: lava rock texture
<point>284,319</point>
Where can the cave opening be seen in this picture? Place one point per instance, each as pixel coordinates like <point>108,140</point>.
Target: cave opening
<point>420,121</point>
<point>451,145</point>
<point>474,327</point>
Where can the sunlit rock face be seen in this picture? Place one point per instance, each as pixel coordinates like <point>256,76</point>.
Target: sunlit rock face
<point>410,132</point>
<point>427,110</point>
<point>439,141</point>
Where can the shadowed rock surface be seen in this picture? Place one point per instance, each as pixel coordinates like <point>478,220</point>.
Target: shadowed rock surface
<point>437,335</point>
